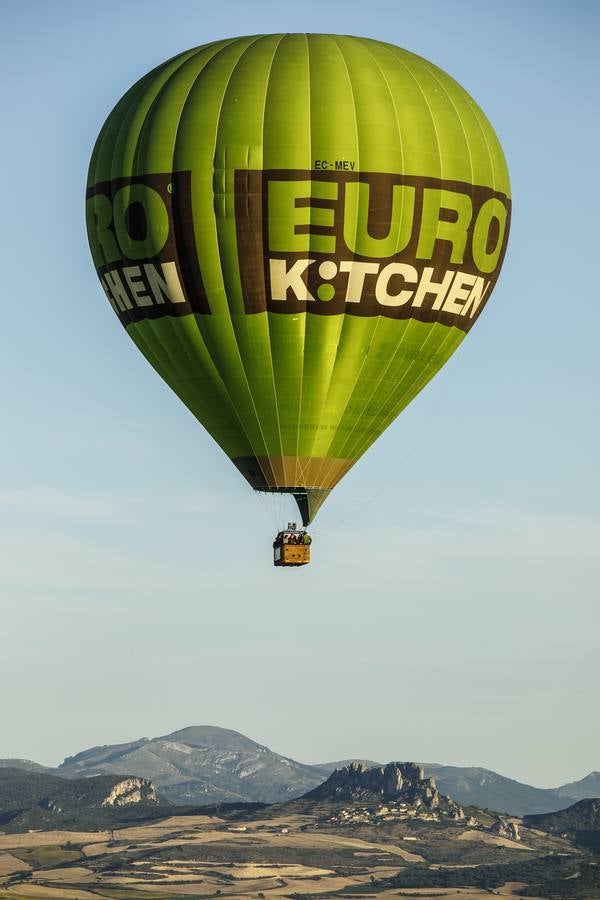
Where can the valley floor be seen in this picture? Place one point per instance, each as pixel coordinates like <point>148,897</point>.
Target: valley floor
<point>294,855</point>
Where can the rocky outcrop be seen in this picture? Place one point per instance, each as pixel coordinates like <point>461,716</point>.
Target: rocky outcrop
<point>382,796</point>
<point>506,828</point>
<point>131,791</point>
<point>458,814</point>
<point>50,805</point>
<point>399,782</point>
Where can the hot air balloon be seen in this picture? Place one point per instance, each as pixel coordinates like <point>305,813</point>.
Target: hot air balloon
<point>297,231</point>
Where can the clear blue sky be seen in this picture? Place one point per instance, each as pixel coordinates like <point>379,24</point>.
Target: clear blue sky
<point>454,617</point>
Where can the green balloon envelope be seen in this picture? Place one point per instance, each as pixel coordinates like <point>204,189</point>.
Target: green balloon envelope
<point>297,231</point>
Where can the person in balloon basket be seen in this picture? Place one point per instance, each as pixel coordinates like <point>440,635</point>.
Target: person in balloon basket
<point>292,536</point>
<point>289,536</point>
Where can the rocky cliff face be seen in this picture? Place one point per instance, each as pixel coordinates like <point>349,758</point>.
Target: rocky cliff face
<point>397,782</point>
<point>507,829</point>
<point>130,791</point>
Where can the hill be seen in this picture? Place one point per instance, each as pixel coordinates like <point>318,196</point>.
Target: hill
<point>580,823</point>
<point>581,790</point>
<point>25,764</point>
<point>34,800</point>
<point>400,786</point>
<point>202,764</point>
<point>484,788</point>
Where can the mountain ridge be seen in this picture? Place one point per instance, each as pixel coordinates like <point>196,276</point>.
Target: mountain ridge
<point>208,764</point>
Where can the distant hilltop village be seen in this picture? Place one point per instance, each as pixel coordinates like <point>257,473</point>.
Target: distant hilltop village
<point>392,793</point>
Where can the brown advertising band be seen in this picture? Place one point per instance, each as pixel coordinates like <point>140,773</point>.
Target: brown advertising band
<point>291,473</point>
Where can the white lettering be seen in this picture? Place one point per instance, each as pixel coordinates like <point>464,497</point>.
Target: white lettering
<point>408,273</point>
<point>458,292</point>
<point>427,286</point>
<point>133,277</point>
<point>478,292</point>
<point>115,289</point>
<point>283,279</point>
<point>393,285</point>
<point>166,284</point>
<point>356,278</point>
